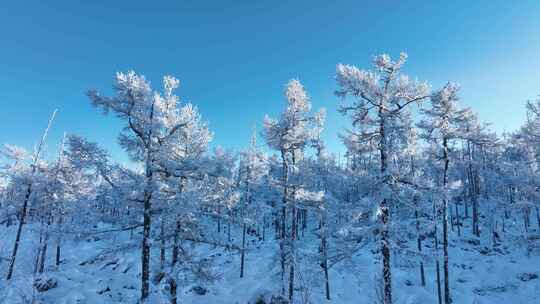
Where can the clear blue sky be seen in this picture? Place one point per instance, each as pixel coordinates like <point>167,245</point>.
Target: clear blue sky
<point>234,57</point>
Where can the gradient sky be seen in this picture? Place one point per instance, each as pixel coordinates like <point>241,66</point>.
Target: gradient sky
<point>234,57</point>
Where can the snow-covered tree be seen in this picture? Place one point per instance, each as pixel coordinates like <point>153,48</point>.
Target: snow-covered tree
<point>290,136</point>
<point>155,126</point>
<point>379,99</point>
<point>252,171</point>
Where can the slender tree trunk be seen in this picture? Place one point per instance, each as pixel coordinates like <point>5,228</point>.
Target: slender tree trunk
<point>58,239</point>
<point>458,224</point>
<point>172,291</point>
<point>285,180</point>
<point>538,217</point>
<point>304,221</point>
<point>324,245</point>
<point>473,192</point>
<point>19,231</point>
<point>43,257</point>
<point>385,240</point>
<point>26,199</point>
<point>452,221</point>
<point>419,244</point>
<point>435,236</point>
<point>293,254</point>
<point>58,253</point>
<point>219,220</point>
<point>38,253</point>
<point>162,242</point>
<point>243,250</point>
<point>438,282</point>
<point>447,298</point>
<point>291,279</point>
<point>385,217</point>
<point>174,255</point>
<point>264,229</point>
<point>44,246</point>
<point>145,256</point>
<point>229,227</point>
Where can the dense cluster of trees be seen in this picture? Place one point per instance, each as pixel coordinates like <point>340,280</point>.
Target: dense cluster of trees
<point>405,178</point>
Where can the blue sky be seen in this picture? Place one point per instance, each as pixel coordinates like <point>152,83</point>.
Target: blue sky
<point>234,57</point>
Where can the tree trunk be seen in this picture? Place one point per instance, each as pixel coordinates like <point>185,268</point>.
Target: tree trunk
<point>26,199</point>
<point>419,244</point>
<point>172,290</point>
<point>174,254</point>
<point>285,179</point>
<point>385,212</point>
<point>229,228</point>
<point>438,282</point>
<point>291,281</point>
<point>243,250</point>
<point>324,248</point>
<point>447,298</point>
<point>19,231</point>
<point>58,253</point>
<point>264,229</point>
<point>162,241</point>
<point>145,256</point>
<point>385,242</point>
<point>41,267</point>
<point>538,217</point>
<point>43,255</point>
<point>458,224</point>
<point>219,220</point>
<point>292,254</point>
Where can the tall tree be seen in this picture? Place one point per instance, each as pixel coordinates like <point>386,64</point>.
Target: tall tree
<point>29,182</point>
<point>290,135</point>
<point>154,124</point>
<point>445,123</point>
<point>380,98</point>
<point>252,169</point>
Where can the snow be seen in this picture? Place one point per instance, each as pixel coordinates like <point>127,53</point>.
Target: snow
<point>493,278</point>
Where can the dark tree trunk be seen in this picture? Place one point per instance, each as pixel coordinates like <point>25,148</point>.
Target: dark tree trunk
<point>293,257</point>
<point>438,282</point>
<point>242,257</point>
<point>324,245</point>
<point>447,298</point>
<point>458,223</point>
<point>284,180</point>
<point>172,290</point>
<point>538,217</point>
<point>264,229</point>
<point>162,242</point>
<point>19,231</point>
<point>174,254</point>
<point>385,215</point>
<point>58,253</point>
<point>229,228</point>
<point>385,242</point>
<point>145,256</point>
<point>419,245</point>
<point>43,255</point>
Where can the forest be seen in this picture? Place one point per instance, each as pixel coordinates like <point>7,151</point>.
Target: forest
<point>427,205</point>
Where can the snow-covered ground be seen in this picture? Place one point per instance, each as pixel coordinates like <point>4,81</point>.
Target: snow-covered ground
<point>503,274</point>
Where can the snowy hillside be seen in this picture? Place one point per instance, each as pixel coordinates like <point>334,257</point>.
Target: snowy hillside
<point>101,270</point>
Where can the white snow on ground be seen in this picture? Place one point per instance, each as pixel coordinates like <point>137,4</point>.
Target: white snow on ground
<point>489,278</point>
